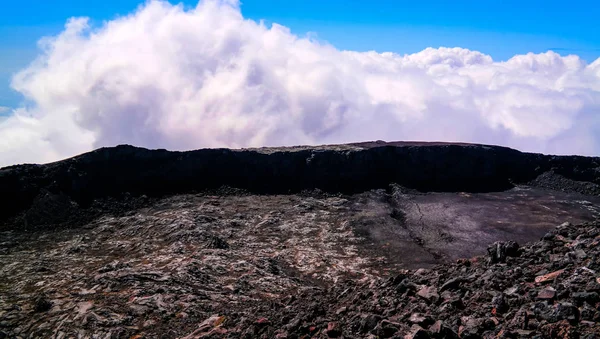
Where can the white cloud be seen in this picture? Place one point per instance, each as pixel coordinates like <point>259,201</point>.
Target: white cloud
<point>4,109</point>
<point>167,77</point>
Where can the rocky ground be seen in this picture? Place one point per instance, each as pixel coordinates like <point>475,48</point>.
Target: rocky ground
<point>368,240</point>
<point>546,289</point>
<point>239,265</point>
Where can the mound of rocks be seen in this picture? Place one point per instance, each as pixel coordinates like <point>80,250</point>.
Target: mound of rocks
<point>547,289</point>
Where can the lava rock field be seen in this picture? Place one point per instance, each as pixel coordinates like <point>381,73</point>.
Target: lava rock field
<point>371,240</point>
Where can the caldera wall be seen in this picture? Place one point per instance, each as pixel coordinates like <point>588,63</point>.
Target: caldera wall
<point>426,167</point>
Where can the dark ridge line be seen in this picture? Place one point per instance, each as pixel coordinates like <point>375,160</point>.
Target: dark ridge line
<point>347,169</point>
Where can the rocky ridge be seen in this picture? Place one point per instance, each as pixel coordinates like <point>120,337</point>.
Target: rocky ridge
<point>111,172</point>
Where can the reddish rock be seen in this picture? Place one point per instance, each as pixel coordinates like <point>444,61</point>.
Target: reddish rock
<point>263,321</point>
<point>429,293</point>
<point>333,330</point>
<point>561,330</point>
<point>548,277</point>
<point>547,293</point>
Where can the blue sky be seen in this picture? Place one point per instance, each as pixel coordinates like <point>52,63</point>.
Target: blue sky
<point>499,28</point>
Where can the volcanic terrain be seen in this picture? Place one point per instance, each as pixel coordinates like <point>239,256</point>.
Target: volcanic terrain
<point>367,240</point>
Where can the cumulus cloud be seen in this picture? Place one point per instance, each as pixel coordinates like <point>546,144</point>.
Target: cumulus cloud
<point>4,109</point>
<point>169,77</point>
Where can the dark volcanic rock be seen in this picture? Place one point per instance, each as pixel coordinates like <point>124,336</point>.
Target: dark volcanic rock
<point>186,294</point>
<point>41,303</point>
<point>110,172</point>
<point>499,251</point>
<point>325,242</point>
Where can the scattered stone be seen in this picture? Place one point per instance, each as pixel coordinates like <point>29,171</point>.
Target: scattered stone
<point>499,251</point>
<point>333,330</point>
<point>263,321</point>
<point>471,328</point>
<point>421,320</point>
<point>215,242</point>
<point>208,328</point>
<point>548,277</point>
<point>440,330</point>
<point>429,293</point>
<point>590,297</point>
<point>417,332</point>
<point>564,311</point>
<point>341,310</point>
<point>524,333</point>
<point>388,328</point>
<point>41,303</point>
<point>499,304</point>
<point>369,322</point>
<point>451,284</point>
<point>580,254</point>
<point>547,293</point>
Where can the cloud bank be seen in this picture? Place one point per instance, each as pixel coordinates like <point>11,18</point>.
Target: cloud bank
<point>169,77</point>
